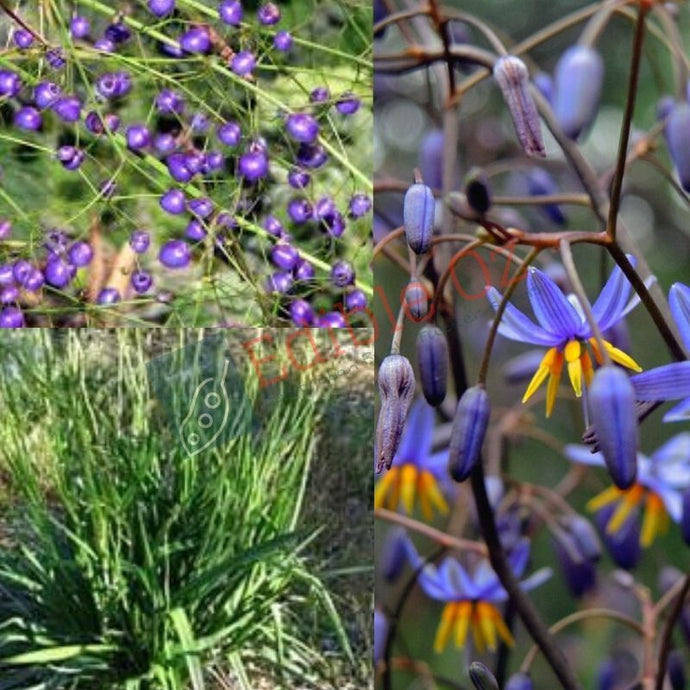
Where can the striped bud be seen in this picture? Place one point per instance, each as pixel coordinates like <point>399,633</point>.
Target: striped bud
<point>678,141</point>
<point>612,401</point>
<point>541,183</point>
<point>511,74</point>
<point>685,519</point>
<point>418,217</point>
<point>432,360</point>
<point>416,299</point>
<point>478,190</point>
<point>519,681</point>
<point>396,388</point>
<point>577,84</point>
<point>481,677</point>
<point>468,432</point>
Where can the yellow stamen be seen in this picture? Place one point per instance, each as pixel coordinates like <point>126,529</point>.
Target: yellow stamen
<point>654,519</point>
<point>620,357</point>
<point>477,635</point>
<point>587,369</point>
<point>554,380</point>
<point>573,350</point>
<point>462,622</point>
<point>408,486</point>
<point>631,499</point>
<point>486,624</point>
<point>429,488</point>
<point>445,627</point>
<point>541,373</point>
<point>502,628</point>
<point>383,486</point>
<point>606,497</point>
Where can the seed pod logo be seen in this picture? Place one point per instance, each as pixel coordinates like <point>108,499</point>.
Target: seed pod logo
<point>468,432</point>
<point>578,82</point>
<point>512,76</point>
<point>418,217</point>
<point>432,360</point>
<point>612,401</point>
<point>208,414</point>
<point>678,140</point>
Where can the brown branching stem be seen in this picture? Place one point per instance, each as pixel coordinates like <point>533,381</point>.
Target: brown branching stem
<point>665,644</point>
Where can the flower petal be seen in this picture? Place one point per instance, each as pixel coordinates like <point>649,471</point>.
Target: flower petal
<point>679,301</point>
<point>672,498</point>
<point>516,326</point>
<point>679,412</point>
<point>668,382</point>
<point>583,455</point>
<point>457,580</point>
<point>609,306</point>
<point>551,307</point>
<point>415,443</point>
<point>536,578</point>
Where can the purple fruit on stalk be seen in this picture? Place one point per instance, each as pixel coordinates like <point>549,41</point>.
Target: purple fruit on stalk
<point>9,294</point>
<point>418,217</point>
<point>11,317</point>
<point>34,280</point>
<point>512,76</point>
<point>80,254</point>
<point>28,118</point>
<point>355,300</point>
<point>347,103</point>
<point>612,401</point>
<point>298,178</point>
<point>320,94</point>
<point>139,241</point>
<point>304,270</point>
<point>201,207</point>
<point>67,108</point>
<point>273,226</point>
<point>169,101</point>
<point>196,40</point>
<point>114,84</point>
<point>677,133</point>
<point>141,282</point>
<point>243,63</point>
<point>432,363</point>
<point>253,164</point>
<point>302,127</point>
<point>229,133</point>
<point>6,274</point>
<point>105,45</point>
<point>230,12</point>
<point>55,58</point>
<point>431,152</point>
<point>118,32</point>
<point>175,254</point>
<point>195,231</point>
<point>138,137</point>
<point>173,201</point>
<point>282,41</point>
<point>342,274</point>
<point>10,83</point>
<point>396,389</point>
<point>161,8</point>
<point>23,39</point>
<point>268,14</point>
<point>468,432</point>
<point>519,681</point>
<point>79,26</point>
<point>300,211</point>
<point>360,205</point>
<point>331,319</point>
<point>284,256</point>
<point>70,157</point>
<point>108,295</point>
<point>311,155</point>
<point>46,93</point>
<point>279,282</point>
<point>301,313</point>
<point>577,89</point>
<point>58,273</point>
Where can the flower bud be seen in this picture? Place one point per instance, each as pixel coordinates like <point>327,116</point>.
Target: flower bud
<point>678,141</point>
<point>612,401</point>
<point>468,432</point>
<point>396,388</point>
<point>512,76</point>
<point>544,84</point>
<point>394,556</point>
<point>584,535</point>
<point>685,519</point>
<point>481,677</point>
<point>478,191</point>
<point>380,634</point>
<point>432,360</point>
<point>578,81</point>
<point>431,158</point>
<point>418,217</point>
<point>416,299</point>
<point>624,545</point>
<point>519,681</point>
<point>579,573</point>
<point>541,183</point>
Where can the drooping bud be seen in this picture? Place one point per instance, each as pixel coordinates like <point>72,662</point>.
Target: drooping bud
<point>676,670</point>
<point>578,81</point>
<point>678,141</point>
<point>685,519</point>
<point>416,299</point>
<point>579,573</point>
<point>431,158</point>
<point>612,401</point>
<point>396,388</point>
<point>481,677</point>
<point>394,555</point>
<point>541,183</point>
<point>418,217</point>
<point>624,544</point>
<point>584,535</point>
<point>519,681</point>
<point>468,432</point>
<point>478,190</point>
<point>512,76</point>
<point>432,360</point>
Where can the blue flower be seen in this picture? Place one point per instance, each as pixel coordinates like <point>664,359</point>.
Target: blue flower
<point>416,473</point>
<point>564,329</point>
<point>671,381</point>
<point>661,479</point>
<point>471,599</point>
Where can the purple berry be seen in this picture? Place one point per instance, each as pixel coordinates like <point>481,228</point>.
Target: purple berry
<point>273,226</point>
<point>229,133</point>
<point>302,127</point>
<point>201,207</point>
<point>70,156</point>
<point>6,274</point>
<point>80,254</point>
<point>253,164</point>
<point>114,85</point>
<point>284,256</point>
<point>10,83</point>
<point>301,313</point>
<point>79,27</point>
<point>9,294</point>
<point>334,224</point>
<point>215,161</point>
<point>175,254</point>
<point>342,274</point>
<point>320,94</point>
<point>196,40</point>
<point>325,208</point>
<point>243,63</point>
<point>347,103</point>
<point>332,319</point>
<point>97,124</point>
<point>230,12</point>
<point>11,317</point>
<point>178,168</point>
<point>28,118</point>
<point>280,281</point>
<point>304,270</point>
<point>67,108</point>
<point>141,281</point>
<point>195,231</point>
<point>161,8</point>
<point>23,38</point>
<point>55,58</point>
<point>138,137</point>
<point>360,205</point>
<point>299,210</point>
<point>311,155</point>
<point>108,188</point>
<point>168,101</point>
<point>268,14</point>
<point>58,272</point>
<point>298,179</point>
<point>164,143</point>
<point>139,241</point>
<point>105,45</point>
<point>355,301</point>
<point>34,281</point>
<point>199,123</point>
<point>282,41</point>
<point>118,32</point>
<point>108,295</point>
<point>173,201</point>
<point>46,93</point>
